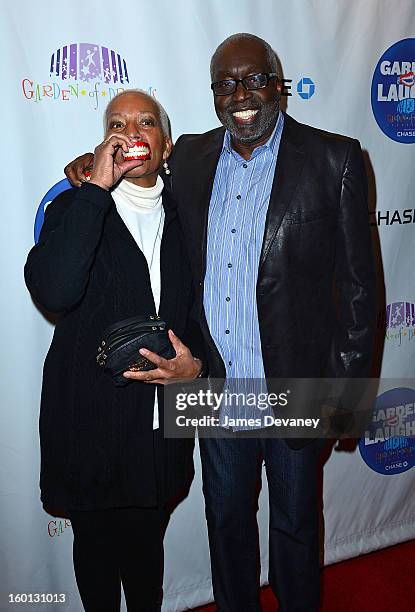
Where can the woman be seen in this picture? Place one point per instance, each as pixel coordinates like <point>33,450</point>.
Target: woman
<point>107,252</point>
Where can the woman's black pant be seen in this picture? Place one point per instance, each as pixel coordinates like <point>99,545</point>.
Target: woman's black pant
<point>114,546</point>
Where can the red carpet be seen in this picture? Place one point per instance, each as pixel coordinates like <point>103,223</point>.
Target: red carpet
<point>382,581</point>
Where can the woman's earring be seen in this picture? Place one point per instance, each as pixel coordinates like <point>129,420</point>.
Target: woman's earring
<point>166,167</point>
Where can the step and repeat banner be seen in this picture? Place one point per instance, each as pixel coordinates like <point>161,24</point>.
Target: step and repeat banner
<point>348,67</point>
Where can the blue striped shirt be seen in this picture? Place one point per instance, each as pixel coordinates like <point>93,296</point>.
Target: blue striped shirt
<point>236,224</point>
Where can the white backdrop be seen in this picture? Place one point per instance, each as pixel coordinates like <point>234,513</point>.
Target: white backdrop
<point>166,47</point>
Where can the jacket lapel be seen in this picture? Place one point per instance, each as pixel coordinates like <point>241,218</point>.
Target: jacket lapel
<point>201,186</point>
<point>290,162</point>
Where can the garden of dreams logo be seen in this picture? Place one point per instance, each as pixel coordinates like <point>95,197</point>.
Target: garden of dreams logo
<point>80,71</point>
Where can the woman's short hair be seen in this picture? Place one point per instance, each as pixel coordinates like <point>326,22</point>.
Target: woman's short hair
<point>164,118</point>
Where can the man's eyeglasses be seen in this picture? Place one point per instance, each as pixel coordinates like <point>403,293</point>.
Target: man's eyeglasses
<point>251,82</point>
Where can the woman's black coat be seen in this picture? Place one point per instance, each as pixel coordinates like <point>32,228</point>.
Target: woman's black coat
<point>98,449</point>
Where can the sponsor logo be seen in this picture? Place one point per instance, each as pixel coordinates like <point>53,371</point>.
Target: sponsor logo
<point>46,200</point>
<point>80,71</point>
<point>400,322</point>
<point>393,91</point>
<point>388,446</point>
<point>392,217</point>
<point>58,527</point>
<point>305,88</point>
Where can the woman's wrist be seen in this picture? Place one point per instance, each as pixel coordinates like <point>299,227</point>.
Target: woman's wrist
<point>98,183</point>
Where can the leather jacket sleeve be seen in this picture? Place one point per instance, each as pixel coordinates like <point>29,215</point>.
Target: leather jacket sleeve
<point>351,349</point>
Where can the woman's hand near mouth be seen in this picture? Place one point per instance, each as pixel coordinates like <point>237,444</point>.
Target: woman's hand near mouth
<point>108,166</point>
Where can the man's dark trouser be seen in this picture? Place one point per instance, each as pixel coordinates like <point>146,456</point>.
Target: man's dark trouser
<point>230,468</point>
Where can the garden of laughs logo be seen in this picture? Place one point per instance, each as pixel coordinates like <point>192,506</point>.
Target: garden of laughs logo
<point>388,445</point>
<point>80,71</point>
<point>393,91</point>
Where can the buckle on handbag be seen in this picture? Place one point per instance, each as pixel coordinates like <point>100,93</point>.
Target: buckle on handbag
<point>101,357</point>
<point>139,365</point>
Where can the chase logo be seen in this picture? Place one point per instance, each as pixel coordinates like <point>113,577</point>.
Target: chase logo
<point>388,446</point>
<point>80,71</point>
<point>393,91</point>
<point>305,88</point>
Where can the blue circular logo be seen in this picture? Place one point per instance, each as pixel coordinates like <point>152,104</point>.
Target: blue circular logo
<point>388,446</point>
<point>393,91</point>
<point>305,88</point>
<point>50,195</point>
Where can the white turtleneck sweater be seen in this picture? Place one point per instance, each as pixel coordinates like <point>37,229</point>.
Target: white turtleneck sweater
<point>142,212</point>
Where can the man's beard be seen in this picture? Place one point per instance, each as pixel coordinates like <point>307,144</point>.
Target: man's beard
<point>264,119</point>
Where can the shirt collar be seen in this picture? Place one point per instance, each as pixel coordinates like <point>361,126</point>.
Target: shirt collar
<point>272,143</point>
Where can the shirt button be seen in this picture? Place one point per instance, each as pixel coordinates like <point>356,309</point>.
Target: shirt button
<point>233,230</point>
<point>238,197</point>
<point>228,299</point>
<point>227,331</point>
<point>229,265</point>
<point>230,362</point>
<point>245,166</point>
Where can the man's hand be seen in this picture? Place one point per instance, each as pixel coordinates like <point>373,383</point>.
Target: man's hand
<point>181,367</point>
<point>75,170</point>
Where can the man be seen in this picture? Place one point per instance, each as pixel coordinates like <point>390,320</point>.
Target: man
<point>279,209</point>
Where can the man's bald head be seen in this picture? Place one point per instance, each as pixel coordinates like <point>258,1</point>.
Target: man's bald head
<point>235,40</point>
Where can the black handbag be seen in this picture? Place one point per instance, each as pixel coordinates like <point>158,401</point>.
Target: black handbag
<point>119,349</point>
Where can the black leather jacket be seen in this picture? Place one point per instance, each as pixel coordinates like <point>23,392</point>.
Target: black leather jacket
<point>316,279</point>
